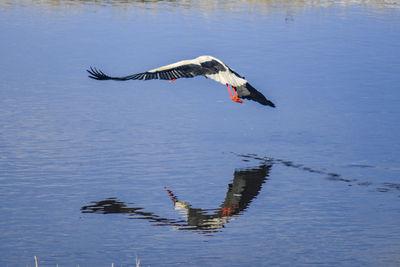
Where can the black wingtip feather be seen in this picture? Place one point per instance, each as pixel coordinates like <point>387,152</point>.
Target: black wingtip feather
<point>97,74</point>
<point>257,96</point>
<point>269,103</point>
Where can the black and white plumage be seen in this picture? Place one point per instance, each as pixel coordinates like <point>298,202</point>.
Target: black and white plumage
<point>207,66</point>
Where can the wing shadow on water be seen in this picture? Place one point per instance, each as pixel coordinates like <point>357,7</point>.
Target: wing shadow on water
<point>246,185</point>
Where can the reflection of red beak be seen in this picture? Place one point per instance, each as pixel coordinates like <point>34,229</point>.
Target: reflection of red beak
<point>171,195</point>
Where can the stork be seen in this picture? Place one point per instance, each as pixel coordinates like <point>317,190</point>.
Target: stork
<point>207,66</point>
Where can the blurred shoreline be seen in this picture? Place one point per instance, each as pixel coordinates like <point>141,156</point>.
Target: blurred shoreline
<point>207,6</point>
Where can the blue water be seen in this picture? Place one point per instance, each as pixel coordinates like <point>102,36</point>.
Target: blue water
<point>85,165</point>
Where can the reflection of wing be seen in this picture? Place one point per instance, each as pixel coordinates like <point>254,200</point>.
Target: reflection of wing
<point>245,187</point>
<point>111,205</point>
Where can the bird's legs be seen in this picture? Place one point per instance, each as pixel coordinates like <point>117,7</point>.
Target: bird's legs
<point>234,96</point>
<point>172,80</point>
<point>237,99</point>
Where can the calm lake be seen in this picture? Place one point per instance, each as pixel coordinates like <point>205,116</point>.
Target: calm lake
<point>176,174</point>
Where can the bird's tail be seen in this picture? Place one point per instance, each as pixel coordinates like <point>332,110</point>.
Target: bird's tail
<point>256,96</point>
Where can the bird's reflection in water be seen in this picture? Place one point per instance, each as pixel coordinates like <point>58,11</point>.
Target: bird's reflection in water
<point>245,187</point>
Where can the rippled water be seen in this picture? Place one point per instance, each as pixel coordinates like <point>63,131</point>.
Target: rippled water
<point>176,174</point>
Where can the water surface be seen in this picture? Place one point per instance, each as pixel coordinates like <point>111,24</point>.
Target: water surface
<point>95,172</point>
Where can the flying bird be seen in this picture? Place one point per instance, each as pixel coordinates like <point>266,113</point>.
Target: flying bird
<point>207,66</point>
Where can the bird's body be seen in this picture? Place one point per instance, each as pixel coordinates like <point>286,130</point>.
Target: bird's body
<point>207,66</point>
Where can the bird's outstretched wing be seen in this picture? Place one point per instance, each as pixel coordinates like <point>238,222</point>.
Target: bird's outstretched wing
<point>247,91</point>
<point>163,73</point>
